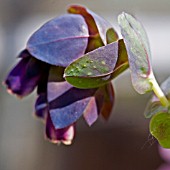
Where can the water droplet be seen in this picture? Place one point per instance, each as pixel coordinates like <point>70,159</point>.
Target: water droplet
<point>103,62</point>
<point>89,73</point>
<point>84,65</point>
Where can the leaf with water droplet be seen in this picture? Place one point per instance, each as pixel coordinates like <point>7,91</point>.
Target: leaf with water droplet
<point>67,104</point>
<point>138,50</point>
<point>160,128</point>
<point>154,105</point>
<point>95,67</point>
<point>60,41</point>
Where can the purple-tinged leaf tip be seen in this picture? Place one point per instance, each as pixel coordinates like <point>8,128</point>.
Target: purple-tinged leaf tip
<point>96,24</point>
<point>94,68</point>
<point>108,101</point>
<point>60,41</point>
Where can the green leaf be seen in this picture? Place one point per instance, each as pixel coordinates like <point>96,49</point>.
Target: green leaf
<point>138,50</point>
<point>111,36</point>
<point>154,105</point>
<point>160,128</point>
<point>94,68</point>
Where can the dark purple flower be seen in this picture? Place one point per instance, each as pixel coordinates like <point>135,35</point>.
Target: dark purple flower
<point>49,50</point>
<point>25,76</point>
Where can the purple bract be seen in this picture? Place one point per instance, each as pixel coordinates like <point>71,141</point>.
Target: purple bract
<point>49,51</point>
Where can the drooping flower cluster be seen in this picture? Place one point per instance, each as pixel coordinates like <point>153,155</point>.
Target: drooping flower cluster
<point>49,51</point>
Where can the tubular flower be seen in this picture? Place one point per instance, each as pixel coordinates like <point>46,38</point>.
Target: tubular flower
<point>48,52</point>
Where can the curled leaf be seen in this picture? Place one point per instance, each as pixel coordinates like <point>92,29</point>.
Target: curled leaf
<point>94,68</point>
<point>138,50</point>
<point>122,62</point>
<point>60,41</point>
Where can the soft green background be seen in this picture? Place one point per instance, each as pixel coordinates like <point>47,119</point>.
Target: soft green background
<point>123,142</point>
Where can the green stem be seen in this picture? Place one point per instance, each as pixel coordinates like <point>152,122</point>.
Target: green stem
<point>158,92</point>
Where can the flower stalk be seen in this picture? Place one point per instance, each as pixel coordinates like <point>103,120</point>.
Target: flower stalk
<point>158,92</point>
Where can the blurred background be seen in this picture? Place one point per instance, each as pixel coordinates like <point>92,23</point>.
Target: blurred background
<point>122,143</point>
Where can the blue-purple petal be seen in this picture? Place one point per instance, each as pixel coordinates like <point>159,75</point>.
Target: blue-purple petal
<point>60,41</point>
<point>91,113</point>
<point>67,103</point>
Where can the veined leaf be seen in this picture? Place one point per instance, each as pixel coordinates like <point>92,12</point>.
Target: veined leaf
<point>95,79</point>
<point>138,50</point>
<point>94,68</point>
<point>60,41</point>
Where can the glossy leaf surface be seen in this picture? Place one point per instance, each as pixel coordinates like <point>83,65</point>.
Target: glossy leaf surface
<point>160,128</point>
<point>94,68</point>
<point>138,50</point>
<point>96,24</point>
<point>60,41</point>
<point>154,105</point>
